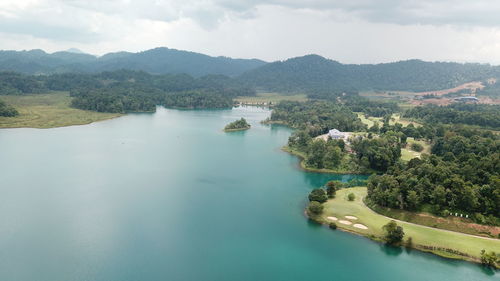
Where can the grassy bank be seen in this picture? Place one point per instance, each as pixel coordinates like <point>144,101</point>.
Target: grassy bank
<point>48,111</point>
<point>347,165</point>
<point>441,242</point>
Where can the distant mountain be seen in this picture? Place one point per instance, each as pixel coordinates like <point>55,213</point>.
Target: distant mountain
<point>313,73</point>
<point>155,61</point>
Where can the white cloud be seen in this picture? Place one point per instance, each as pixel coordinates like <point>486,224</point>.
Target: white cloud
<point>355,31</point>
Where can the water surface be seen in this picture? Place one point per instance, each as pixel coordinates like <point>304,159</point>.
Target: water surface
<point>169,196</point>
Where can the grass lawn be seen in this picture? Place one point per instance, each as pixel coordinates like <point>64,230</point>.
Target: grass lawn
<point>407,154</point>
<point>369,121</point>
<point>270,98</point>
<point>422,236</point>
<point>396,118</point>
<point>48,111</point>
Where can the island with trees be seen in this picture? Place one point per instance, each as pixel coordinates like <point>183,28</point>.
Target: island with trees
<point>238,125</point>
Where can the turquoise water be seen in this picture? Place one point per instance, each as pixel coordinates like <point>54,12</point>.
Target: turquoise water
<point>169,196</point>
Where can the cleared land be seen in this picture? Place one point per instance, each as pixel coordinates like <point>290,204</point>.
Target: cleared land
<point>269,98</point>
<point>424,238</point>
<point>407,153</point>
<point>48,111</point>
<point>395,118</point>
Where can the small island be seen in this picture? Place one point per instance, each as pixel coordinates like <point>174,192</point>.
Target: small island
<point>238,125</point>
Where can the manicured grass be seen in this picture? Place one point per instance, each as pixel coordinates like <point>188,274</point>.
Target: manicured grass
<point>407,154</point>
<point>422,236</point>
<point>369,121</point>
<point>48,111</point>
<point>396,118</point>
<point>270,98</point>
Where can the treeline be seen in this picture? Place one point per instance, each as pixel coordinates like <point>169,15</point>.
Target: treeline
<point>462,175</point>
<point>458,113</point>
<point>316,117</point>
<point>312,73</point>
<point>130,91</point>
<point>357,103</point>
<point>7,110</point>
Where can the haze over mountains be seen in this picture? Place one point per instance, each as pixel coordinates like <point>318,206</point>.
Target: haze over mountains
<point>154,61</point>
<point>310,73</point>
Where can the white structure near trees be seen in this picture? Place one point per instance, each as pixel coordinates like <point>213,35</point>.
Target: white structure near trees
<point>337,135</point>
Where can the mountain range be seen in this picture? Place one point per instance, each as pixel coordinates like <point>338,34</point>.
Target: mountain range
<point>310,73</point>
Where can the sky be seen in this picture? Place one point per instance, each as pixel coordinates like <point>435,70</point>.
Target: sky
<point>350,31</point>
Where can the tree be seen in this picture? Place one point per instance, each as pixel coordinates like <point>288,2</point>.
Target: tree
<point>393,233</point>
<point>489,259</point>
<point>412,200</point>
<point>316,153</point>
<point>318,195</point>
<point>351,197</point>
<point>315,208</point>
<point>332,187</point>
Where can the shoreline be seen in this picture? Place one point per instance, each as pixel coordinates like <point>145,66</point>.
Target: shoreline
<point>63,126</point>
<point>236,130</point>
<point>425,239</point>
<point>323,171</point>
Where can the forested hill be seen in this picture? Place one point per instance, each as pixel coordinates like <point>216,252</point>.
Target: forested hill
<point>313,74</point>
<point>154,61</point>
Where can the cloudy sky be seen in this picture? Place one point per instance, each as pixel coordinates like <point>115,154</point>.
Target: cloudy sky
<point>350,31</point>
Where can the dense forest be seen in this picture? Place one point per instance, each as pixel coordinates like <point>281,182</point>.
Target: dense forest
<point>240,124</point>
<point>130,91</point>
<point>458,113</point>
<point>7,110</point>
<point>316,116</point>
<point>154,61</point>
<point>461,175</point>
<point>315,74</point>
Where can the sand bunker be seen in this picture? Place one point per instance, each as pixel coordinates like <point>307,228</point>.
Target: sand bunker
<point>332,218</point>
<point>345,222</point>
<point>351,218</point>
<point>360,226</point>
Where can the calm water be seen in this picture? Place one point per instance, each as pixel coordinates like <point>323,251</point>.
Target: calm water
<point>169,196</point>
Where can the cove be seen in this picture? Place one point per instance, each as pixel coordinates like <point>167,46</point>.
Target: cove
<point>170,196</point>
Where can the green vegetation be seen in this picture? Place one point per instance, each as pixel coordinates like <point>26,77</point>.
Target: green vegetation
<point>152,61</point>
<point>393,233</point>
<point>318,195</point>
<point>48,111</point>
<point>441,242</point>
<point>237,125</point>
<point>314,209</point>
<point>315,74</point>
<point>458,113</point>
<point>351,197</point>
<point>461,176</point>
<point>130,91</point>
<point>490,259</point>
<point>7,110</point>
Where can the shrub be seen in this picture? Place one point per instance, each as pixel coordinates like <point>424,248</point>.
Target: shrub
<point>319,195</point>
<point>333,225</point>
<point>417,147</point>
<point>351,197</point>
<point>490,259</point>
<point>314,208</point>
<point>393,233</point>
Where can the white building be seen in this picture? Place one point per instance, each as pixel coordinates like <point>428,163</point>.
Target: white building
<point>337,135</point>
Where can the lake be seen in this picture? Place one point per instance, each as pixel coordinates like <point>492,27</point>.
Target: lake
<point>170,196</point>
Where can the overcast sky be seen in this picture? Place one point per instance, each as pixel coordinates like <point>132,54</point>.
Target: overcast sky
<point>350,31</point>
